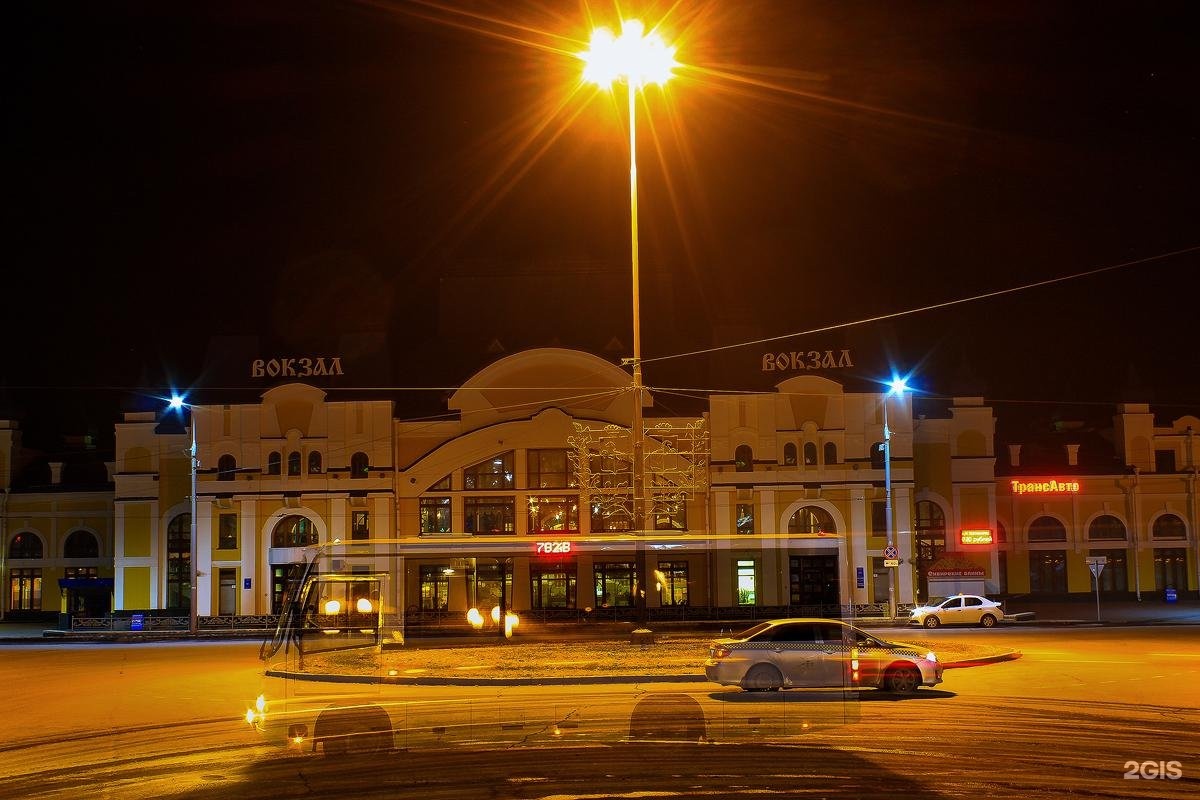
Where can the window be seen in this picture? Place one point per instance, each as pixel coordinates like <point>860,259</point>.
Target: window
<point>360,525</point>
<point>81,572</point>
<point>670,516</point>
<point>810,454</point>
<point>743,458</point>
<point>554,514</point>
<point>1164,460</point>
<point>274,460</point>
<point>879,518</point>
<point>489,514</point>
<point>1115,575</point>
<point>929,538</point>
<point>435,514</point>
<point>1001,533</point>
<point>550,469</point>
<point>811,519</point>
<point>25,545</point>
<point>1048,571</point>
<point>611,472</point>
<point>486,591</point>
<point>745,582</point>
<point>282,578</point>
<point>830,453</point>
<point>1047,529</point>
<point>615,584</point>
<point>789,454</point>
<point>226,468</point>
<point>25,589</point>
<point>441,486</point>
<point>1169,526</point>
<point>179,563</point>
<point>551,586</point>
<point>227,537</point>
<point>1170,568</point>
<point>877,459</point>
<point>81,544</point>
<point>672,580</point>
<point>1107,526</point>
<point>360,465</point>
<point>495,473</point>
<point>744,520</point>
<point>613,516</point>
<point>294,531</point>
<point>314,463</point>
<point>435,587</point>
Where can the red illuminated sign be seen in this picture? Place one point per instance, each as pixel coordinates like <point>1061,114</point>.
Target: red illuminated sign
<point>552,548</point>
<point>1051,486</point>
<point>982,536</point>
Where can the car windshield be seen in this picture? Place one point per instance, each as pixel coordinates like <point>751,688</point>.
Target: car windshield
<point>936,601</point>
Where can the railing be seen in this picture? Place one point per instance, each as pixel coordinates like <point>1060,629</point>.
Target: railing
<point>453,620</point>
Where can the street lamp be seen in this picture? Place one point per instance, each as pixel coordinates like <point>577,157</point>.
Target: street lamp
<point>637,59</point>
<point>896,387</point>
<point>177,404</point>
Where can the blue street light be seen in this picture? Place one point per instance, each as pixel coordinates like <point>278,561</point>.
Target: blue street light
<point>177,404</point>
<point>897,387</point>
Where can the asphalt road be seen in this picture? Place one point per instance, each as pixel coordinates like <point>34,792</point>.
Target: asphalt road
<point>1081,710</point>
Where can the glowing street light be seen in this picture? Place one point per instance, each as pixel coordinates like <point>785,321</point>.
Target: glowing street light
<point>636,58</point>
<point>896,387</point>
<point>177,404</point>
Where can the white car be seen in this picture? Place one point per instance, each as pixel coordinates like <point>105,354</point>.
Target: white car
<point>961,609</point>
<point>818,654</point>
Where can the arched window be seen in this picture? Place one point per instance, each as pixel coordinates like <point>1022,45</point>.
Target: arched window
<point>294,462</point>
<point>789,454</point>
<point>25,545</point>
<point>494,473</point>
<point>274,461</point>
<point>81,544</point>
<point>929,540</point>
<point>877,451</point>
<point>1047,529</point>
<point>812,519</point>
<point>1108,527</point>
<point>294,531</point>
<point>830,453</point>
<point>179,563</point>
<point>1169,526</point>
<point>314,463</point>
<point>810,454</point>
<point>226,468</point>
<point>743,458</point>
<point>359,465</point>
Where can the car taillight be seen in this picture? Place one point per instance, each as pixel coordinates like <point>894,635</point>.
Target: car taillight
<point>720,652</point>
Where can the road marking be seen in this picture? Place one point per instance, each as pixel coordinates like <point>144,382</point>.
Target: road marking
<point>1176,655</point>
<point>1084,661</point>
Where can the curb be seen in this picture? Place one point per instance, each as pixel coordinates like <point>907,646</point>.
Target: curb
<point>1012,655</point>
<point>548,680</point>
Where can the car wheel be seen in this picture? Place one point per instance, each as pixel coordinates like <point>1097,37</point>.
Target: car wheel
<point>762,678</point>
<point>987,621</point>
<point>902,680</point>
<point>932,622</point>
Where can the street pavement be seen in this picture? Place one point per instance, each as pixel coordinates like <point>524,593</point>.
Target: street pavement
<point>1115,612</point>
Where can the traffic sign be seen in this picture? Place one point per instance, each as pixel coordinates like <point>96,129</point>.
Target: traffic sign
<point>1096,564</point>
<point>891,562</point>
<point>891,552</point>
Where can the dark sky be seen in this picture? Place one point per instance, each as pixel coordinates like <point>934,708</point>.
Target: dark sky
<point>302,171</point>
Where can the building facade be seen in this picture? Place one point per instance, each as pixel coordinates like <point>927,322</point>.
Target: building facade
<point>764,502</point>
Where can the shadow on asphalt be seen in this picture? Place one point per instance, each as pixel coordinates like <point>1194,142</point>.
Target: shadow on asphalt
<point>818,696</point>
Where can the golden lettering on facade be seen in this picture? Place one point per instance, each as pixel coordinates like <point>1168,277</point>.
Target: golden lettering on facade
<point>1052,486</point>
<point>805,360</point>
<point>295,367</point>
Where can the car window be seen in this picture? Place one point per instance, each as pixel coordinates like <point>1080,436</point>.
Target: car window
<point>751,632</point>
<point>973,601</point>
<point>953,602</point>
<point>828,632</point>
<point>793,633</point>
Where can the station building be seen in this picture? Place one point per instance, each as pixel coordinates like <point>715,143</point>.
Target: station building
<point>762,503</point>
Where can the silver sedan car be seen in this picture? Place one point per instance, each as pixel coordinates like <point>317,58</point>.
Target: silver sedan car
<point>818,653</point>
<point>961,609</point>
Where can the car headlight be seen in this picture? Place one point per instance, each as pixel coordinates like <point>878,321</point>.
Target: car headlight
<point>931,656</point>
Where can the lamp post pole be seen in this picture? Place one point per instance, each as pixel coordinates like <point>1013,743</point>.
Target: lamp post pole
<point>638,60</point>
<point>193,573</point>
<point>897,387</point>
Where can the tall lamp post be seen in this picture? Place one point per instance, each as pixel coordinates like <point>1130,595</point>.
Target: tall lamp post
<point>177,404</point>
<point>896,387</point>
<point>637,59</point>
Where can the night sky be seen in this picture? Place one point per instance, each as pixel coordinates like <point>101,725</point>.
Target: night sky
<point>184,175</point>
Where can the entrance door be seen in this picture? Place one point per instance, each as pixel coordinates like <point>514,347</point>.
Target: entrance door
<point>814,582</point>
<point>227,595</point>
<point>881,580</point>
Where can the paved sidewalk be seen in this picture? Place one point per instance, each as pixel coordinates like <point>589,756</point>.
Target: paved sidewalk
<point>1074,612</point>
